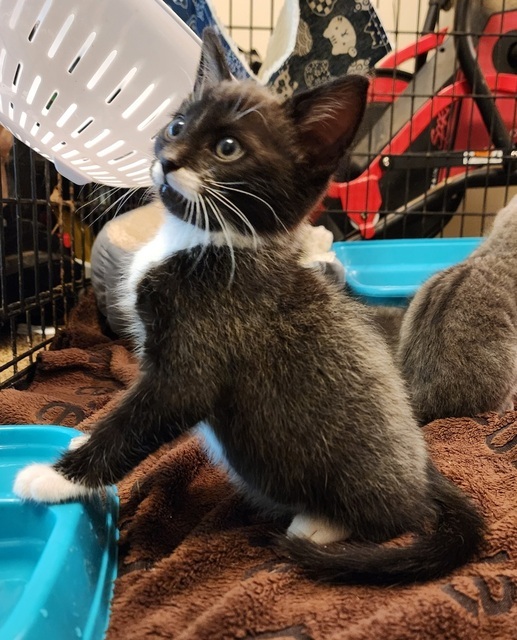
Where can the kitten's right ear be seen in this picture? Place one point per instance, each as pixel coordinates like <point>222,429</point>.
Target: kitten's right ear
<point>212,67</point>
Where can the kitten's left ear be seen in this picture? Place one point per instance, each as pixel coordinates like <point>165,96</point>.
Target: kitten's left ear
<point>212,67</point>
<point>328,116</point>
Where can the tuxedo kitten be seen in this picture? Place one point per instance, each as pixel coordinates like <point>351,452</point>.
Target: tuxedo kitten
<point>297,391</point>
<point>458,342</point>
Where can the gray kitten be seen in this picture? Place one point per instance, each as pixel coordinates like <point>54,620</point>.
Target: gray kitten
<point>298,392</point>
<point>458,341</point>
<point>388,321</point>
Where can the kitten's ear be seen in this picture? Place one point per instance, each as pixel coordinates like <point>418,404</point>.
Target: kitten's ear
<point>212,67</point>
<point>328,116</point>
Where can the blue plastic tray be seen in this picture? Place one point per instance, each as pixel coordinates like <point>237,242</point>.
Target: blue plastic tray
<point>58,562</point>
<point>389,272</point>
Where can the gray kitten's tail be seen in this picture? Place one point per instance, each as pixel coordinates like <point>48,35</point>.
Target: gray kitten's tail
<point>457,536</point>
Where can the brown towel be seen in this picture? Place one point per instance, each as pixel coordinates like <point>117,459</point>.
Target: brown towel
<point>197,563</point>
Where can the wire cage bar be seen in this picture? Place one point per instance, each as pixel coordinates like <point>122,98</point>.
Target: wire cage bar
<point>435,155</point>
<point>48,227</point>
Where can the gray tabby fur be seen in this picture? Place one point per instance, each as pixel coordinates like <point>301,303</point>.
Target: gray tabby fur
<point>458,342</point>
<point>388,321</point>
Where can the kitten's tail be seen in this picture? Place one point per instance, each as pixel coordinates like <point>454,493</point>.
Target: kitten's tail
<point>457,536</point>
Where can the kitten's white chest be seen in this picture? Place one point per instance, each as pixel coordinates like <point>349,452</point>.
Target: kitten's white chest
<point>172,237</point>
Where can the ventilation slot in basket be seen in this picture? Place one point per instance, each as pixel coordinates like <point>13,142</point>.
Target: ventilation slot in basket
<point>2,60</point>
<point>127,155</point>
<point>137,173</point>
<point>60,36</point>
<point>127,167</point>
<point>70,154</point>
<point>151,117</point>
<point>23,120</point>
<point>39,20</point>
<point>82,51</point>
<point>47,137</point>
<point>34,88</point>
<point>101,70</point>
<point>33,32</point>
<point>15,13</point>
<point>91,143</point>
<point>59,146</point>
<point>98,173</point>
<point>17,77</point>
<point>35,129</point>
<point>66,115</point>
<point>112,147</point>
<point>141,98</point>
<point>82,128</point>
<point>50,103</point>
<point>126,80</point>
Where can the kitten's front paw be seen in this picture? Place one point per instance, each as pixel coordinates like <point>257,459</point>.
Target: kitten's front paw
<point>42,483</point>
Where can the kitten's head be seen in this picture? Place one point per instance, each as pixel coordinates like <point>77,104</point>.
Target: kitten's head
<point>234,158</point>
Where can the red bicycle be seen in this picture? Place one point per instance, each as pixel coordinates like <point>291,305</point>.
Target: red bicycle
<point>419,150</point>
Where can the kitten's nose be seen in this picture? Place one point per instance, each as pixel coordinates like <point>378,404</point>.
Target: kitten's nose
<point>168,166</point>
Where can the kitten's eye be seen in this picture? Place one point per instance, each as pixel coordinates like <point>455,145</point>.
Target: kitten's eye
<point>176,127</point>
<point>229,149</point>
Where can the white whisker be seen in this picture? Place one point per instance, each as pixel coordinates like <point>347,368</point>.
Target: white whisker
<point>254,109</point>
<point>206,227</point>
<point>206,219</point>
<point>227,234</point>
<point>122,200</point>
<point>102,197</point>
<point>232,207</point>
<point>237,105</point>
<point>104,212</point>
<point>190,211</point>
<point>252,195</point>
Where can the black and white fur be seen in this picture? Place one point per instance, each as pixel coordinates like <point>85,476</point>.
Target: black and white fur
<point>297,390</point>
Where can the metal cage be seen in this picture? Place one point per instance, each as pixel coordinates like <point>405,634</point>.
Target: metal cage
<point>48,227</point>
<point>435,157</point>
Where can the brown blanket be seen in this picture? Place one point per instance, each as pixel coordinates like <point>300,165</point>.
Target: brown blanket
<point>196,562</point>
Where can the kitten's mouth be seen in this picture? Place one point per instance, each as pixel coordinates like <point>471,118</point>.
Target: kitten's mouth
<point>170,196</point>
<point>178,187</point>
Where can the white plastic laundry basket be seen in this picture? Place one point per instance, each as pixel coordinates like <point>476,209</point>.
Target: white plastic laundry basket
<point>87,83</point>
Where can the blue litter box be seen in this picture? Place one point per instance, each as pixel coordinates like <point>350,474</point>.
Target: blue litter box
<point>57,563</point>
<point>389,272</point>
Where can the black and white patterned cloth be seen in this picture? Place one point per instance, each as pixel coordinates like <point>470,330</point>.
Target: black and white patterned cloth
<point>334,37</point>
<point>198,14</point>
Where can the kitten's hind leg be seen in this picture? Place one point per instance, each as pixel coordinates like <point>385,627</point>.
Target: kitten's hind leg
<point>319,531</point>
<point>139,425</point>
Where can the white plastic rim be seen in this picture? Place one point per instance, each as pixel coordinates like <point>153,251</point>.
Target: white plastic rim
<point>88,83</point>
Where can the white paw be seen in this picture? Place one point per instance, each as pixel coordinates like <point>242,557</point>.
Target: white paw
<point>318,531</point>
<point>42,483</point>
<point>77,442</point>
